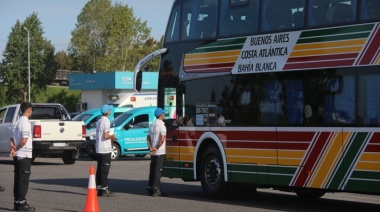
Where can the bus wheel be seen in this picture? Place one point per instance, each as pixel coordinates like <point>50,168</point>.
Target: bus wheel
<point>212,175</point>
<point>115,154</point>
<point>310,193</point>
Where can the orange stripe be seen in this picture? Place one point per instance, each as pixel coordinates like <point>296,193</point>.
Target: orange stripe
<point>212,54</point>
<point>325,51</point>
<point>208,60</point>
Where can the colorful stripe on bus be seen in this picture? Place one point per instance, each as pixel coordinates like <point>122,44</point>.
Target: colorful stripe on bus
<point>338,159</point>
<point>355,45</point>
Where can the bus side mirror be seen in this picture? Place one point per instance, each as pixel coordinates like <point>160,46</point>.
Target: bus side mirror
<point>138,81</point>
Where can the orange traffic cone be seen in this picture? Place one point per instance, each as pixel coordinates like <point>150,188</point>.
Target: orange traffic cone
<point>92,198</point>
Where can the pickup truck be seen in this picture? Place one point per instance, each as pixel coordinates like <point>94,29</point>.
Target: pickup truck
<point>54,133</point>
<point>131,129</point>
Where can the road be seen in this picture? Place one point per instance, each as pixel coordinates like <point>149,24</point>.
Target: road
<point>58,187</point>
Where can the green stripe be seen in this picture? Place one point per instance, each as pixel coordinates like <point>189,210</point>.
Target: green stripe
<point>216,49</point>
<point>337,31</point>
<point>333,38</point>
<point>350,156</point>
<point>366,175</point>
<point>363,186</point>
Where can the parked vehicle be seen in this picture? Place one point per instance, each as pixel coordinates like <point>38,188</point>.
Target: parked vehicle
<point>133,99</point>
<point>90,117</point>
<point>54,133</point>
<point>131,129</point>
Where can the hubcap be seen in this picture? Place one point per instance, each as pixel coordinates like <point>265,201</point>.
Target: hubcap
<point>213,172</point>
<point>114,152</point>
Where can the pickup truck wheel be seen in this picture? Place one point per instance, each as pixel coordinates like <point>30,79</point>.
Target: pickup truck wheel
<point>115,154</point>
<point>69,157</point>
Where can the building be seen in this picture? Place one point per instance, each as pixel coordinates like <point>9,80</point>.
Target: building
<point>97,87</point>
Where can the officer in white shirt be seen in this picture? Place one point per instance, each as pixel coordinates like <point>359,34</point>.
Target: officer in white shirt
<point>103,152</point>
<point>21,150</point>
<point>156,140</point>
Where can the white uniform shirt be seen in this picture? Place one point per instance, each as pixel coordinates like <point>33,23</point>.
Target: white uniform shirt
<point>23,129</point>
<point>103,145</point>
<point>156,130</point>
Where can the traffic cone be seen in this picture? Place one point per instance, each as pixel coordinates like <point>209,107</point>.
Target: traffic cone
<point>92,198</point>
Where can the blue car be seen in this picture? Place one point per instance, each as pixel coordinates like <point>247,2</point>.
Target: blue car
<point>131,129</point>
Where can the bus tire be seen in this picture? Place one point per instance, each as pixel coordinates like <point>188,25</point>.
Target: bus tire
<point>115,154</point>
<point>212,172</point>
<point>310,193</point>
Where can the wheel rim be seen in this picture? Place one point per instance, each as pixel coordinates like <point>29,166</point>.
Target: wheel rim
<point>213,172</point>
<point>114,152</point>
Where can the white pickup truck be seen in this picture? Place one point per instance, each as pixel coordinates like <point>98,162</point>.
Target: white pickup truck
<point>54,134</point>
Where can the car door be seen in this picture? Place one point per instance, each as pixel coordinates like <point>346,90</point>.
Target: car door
<point>135,132</point>
<point>6,119</point>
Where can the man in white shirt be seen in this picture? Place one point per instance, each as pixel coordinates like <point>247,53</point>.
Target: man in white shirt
<point>103,152</point>
<point>156,140</point>
<point>21,150</point>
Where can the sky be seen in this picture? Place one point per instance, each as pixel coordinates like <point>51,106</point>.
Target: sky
<point>58,17</point>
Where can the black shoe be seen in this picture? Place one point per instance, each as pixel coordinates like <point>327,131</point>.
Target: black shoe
<point>108,193</point>
<point>99,194</point>
<point>159,193</point>
<point>25,207</point>
<point>2,188</point>
<point>15,206</point>
<point>149,191</point>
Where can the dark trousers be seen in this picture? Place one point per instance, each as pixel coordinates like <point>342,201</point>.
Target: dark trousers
<point>22,172</point>
<point>155,172</point>
<point>102,170</point>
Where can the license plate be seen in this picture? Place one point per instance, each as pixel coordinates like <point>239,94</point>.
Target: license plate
<point>59,144</point>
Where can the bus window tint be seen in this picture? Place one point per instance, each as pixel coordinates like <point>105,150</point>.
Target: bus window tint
<point>199,20</point>
<point>369,97</point>
<point>332,12</point>
<point>172,31</point>
<point>237,18</point>
<point>370,10</point>
<point>282,15</point>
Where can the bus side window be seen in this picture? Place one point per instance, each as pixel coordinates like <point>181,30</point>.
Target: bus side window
<point>276,16</point>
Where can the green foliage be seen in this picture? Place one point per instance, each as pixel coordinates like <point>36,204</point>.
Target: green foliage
<point>63,60</point>
<point>14,70</point>
<point>62,95</point>
<point>109,38</point>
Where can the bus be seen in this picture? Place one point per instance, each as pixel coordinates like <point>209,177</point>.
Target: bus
<point>282,94</point>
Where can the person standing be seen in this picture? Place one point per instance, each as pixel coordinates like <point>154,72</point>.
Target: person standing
<point>156,140</point>
<point>21,151</point>
<point>103,152</point>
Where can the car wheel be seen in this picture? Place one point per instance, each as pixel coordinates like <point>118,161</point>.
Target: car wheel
<point>115,154</point>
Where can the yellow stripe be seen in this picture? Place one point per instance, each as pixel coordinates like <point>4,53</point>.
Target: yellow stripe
<point>187,150</point>
<point>346,43</point>
<point>209,60</point>
<point>185,157</point>
<point>175,157</point>
<point>293,158</point>
<point>368,166</point>
<point>251,152</point>
<point>325,51</point>
<point>375,157</point>
<point>328,161</point>
<point>377,61</point>
<point>212,54</point>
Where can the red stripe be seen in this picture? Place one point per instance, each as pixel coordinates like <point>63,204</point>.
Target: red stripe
<point>220,67</point>
<point>295,136</point>
<point>372,148</point>
<point>292,146</point>
<point>251,145</point>
<point>323,64</point>
<point>311,160</point>
<point>375,139</point>
<point>365,47</point>
<point>373,47</point>
<point>323,58</point>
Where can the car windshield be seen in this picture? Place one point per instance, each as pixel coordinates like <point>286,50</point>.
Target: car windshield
<point>120,119</point>
<point>82,117</point>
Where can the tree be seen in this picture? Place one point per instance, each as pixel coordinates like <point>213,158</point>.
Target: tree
<point>14,68</point>
<point>63,60</point>
<point>108,37</point>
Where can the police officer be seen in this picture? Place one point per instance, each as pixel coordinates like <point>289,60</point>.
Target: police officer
<point>21,150</point>
<point>103,152</point>
<point>156,140</point>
